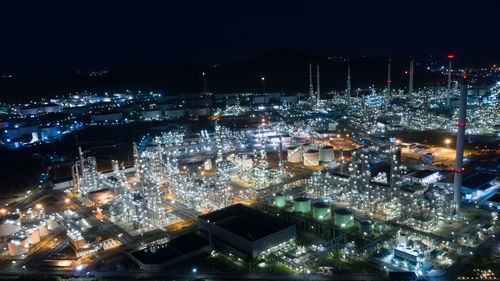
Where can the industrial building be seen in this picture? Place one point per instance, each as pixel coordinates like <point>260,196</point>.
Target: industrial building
<point>477,185</point>
<point>157,257</point>
<point>423,177</point>
<point>244,231</point>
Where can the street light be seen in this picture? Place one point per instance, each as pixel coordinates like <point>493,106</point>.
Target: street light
<point>447,142</point>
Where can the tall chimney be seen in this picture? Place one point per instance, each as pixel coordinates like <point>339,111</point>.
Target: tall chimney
<point>389,77</point>
<point>448,89</point>
<point>457,187</point>
<point>311,90</point>
<point>410,86</point>
<point>348,81</point>
<point>205,87</point>
<point>410,90</point>
<point>317,82</point>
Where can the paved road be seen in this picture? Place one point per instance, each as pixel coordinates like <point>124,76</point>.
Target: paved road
<point>169,275</point>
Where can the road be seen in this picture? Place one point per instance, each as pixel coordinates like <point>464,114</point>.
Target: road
<point>189,275</point>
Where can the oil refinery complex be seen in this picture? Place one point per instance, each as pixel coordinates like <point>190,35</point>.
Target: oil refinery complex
<point>301,184</point>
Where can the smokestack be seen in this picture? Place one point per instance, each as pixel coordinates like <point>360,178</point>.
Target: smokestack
<point>311,90</point>
<point>448,90</point>
<point>205,87</point>
<point>317,82</point>
<point>389,77</point>
<point>281,155</point>
<point>410,86</point>
<point>410,89</point>
<point>457,188</point>
<point>348,81</point>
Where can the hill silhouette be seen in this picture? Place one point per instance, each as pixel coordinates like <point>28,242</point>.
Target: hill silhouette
<point>284,70</point>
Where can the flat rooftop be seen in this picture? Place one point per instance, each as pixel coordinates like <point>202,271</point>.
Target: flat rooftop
<point>246,222</point>
<point>248,228</point>
<point>495,198</point>
<point>173,249</point>
<point>478,180</point>
<point>420,174</point>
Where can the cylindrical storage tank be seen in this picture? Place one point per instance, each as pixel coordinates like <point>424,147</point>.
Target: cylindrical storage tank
<point>302,204</point>
<point>310,146</point>
<point>321,211</point>
<point>208,165</point>
<point>403,238</point>
<point>279,200</point>
<point>18,245</point>
<point>9,224</point>
<point>365,228</point>
<point>311,158</point>
<point>344,218</point>
<point>44,230</point>
<point>294,154</point>
<point>33,235</point>
<point>52,223</point>
<point>326,154</point>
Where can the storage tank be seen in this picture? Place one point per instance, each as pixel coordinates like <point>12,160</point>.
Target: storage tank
<point>365,228</point>
<point>52,223</point>
<point>302,204</point>
<point>44,230</point>
<point>344,218</point>
<point>9,224</point>
<point>33,235</point>
<point>311,157</point>
<point>279,200</point>
<point>18,245</point>
<point>294,154</point>
<point>326,154</point>
<point>310,146</point>
<point>207,165</point>
<point>403,238</point>
<point>321,211</point>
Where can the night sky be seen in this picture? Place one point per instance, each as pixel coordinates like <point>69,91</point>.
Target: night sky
<point>39,36</point>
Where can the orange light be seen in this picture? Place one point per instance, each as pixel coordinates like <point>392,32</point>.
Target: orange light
<point>262,78</point>
<point>66,200</point>
<point>38,206</point>
<point>3,211</point>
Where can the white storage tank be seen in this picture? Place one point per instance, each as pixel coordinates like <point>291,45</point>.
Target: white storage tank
<point>44,230</point>
<point>33,235</point>
<point>294,154</point>
<point>326,154</point>
<point>311,158</point>
<point>310,146</point>
<point>207,166</point>
<point>52,223</point>
<point>9,224</point>
<point>18,245</point>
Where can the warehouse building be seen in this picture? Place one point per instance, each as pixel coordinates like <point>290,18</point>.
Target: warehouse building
<point>244,231</point>
<point>176,250</point>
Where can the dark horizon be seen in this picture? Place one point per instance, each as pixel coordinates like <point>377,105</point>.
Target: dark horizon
<point>63,37</point>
